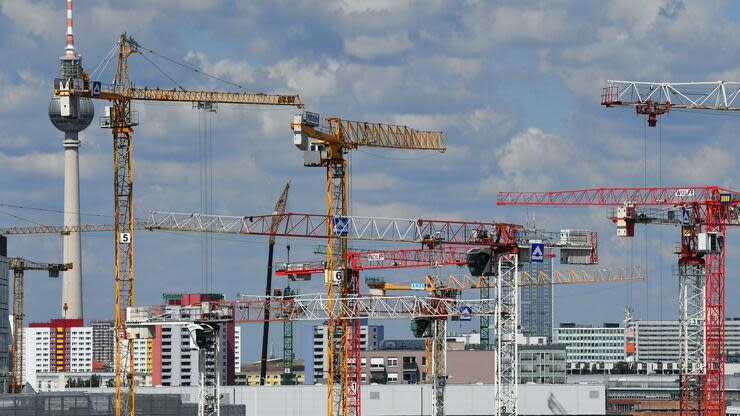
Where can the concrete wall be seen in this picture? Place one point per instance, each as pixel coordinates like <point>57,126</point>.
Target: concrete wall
<point>405,400</point>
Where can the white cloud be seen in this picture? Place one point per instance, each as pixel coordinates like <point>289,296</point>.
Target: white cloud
<point>183,5</point>
<point>34,17</point>
<point>15,142</point>
<point>240,72</point>
<point>370,47</point>
<point>361,6</point>
<point>52,164</point>
<point>705,166</point>
<point>375,182</point>
<point>312,80</point>
<point>535,160</point>
<point>21,91</point>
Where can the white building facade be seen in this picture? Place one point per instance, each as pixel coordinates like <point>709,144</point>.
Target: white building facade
<point>371,338</point>
<point>657,341</point>
<point>589,344</point>
<point>180,364</point>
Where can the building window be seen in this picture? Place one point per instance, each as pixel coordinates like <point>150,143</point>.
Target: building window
<point>376,362</point>
<point>393,377</point>
<point>392,362</point>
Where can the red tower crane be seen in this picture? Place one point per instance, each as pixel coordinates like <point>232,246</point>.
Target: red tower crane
<point>703,213</point>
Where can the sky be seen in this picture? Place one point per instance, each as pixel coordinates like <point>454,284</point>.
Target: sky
<point>514,85</point>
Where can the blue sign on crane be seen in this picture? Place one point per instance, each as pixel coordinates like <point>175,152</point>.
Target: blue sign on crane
<point>340,226</point>
<point>465,312</point>
<point>537,253</point>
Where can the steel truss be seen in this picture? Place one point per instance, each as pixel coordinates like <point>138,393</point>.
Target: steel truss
<point>315,307</point>
<point>616,196</point>
<point>507,321</point>
<point>349,228</point>
<point>209,380</point>
<point>716,95</point>
<point>691,291</point>
<point>439,365</point>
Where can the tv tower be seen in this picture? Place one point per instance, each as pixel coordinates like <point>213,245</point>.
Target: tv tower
<point>71,114</point>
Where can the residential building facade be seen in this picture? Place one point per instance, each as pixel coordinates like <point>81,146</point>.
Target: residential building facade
<point>371,338</point>
<point>61,345</point>
<point>250,374</point>
<point>410,366</point>
<point>104,334</point>
<point>174,362</point>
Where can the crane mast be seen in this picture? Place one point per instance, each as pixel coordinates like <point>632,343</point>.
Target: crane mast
<point>121,123</point>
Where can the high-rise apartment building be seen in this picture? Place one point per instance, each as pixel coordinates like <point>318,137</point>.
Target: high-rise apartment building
<point>371,337</point>
<point>174,363</point>
<point>104,334</point>
<point>61,345</point>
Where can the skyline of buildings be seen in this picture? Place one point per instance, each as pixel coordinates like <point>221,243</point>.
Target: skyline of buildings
<point>71,347</point>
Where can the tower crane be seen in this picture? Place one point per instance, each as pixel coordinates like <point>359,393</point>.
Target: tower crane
<point>19,266</point>
<point>330,141</point>
<point>657,98</point>
<point>121,119</point>
<point>703,213</point>
<point>279,209</point>
<point>500,237</point>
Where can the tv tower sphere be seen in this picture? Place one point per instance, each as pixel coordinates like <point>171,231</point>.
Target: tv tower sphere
<point>85,115</point>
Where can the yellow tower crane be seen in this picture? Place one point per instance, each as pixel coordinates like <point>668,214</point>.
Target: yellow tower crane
<point>19,265</point>
<point>121,119</point>
<point>324,145</point>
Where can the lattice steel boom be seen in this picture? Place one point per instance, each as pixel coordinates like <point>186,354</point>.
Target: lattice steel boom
<point>657,98</point>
